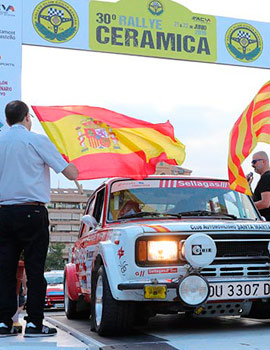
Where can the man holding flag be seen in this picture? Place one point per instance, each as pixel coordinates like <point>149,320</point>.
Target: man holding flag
<point>251,127</point>
<point>101,143</point>
<point>25,159</point>
<point>261,196</point>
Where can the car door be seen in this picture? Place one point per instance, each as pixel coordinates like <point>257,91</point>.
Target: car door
<point>89,240</point>
<point>80,253</point>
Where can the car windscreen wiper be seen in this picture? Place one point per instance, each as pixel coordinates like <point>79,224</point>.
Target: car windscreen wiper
<point>206,213</point>
<point>147,213</point>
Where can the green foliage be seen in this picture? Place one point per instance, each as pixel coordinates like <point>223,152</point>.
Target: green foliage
<point>54,259</point>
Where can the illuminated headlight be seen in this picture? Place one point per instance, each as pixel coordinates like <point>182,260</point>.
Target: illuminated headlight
<point>162,250</point>
<point>193,290</point>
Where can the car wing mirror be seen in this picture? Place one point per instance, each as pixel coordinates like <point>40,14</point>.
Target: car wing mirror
<point>89,221</point>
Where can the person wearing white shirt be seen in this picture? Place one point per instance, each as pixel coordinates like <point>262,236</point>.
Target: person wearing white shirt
<point>25,159</point>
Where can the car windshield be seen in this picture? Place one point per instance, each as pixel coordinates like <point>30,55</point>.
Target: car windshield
<point>178,198</point>
<point>54,278</point>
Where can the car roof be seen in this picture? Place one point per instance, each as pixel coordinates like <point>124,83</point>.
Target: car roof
<point>109,181</point>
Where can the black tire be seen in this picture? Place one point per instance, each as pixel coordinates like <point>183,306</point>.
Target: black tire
<point>74,309</point>
<point>116,317</point>
<point>141,320</point>
<point>70,305</point>
<point>141,316</point>
<point>259,310</point>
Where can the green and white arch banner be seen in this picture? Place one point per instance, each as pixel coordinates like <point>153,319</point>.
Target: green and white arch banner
<point>154,28</point>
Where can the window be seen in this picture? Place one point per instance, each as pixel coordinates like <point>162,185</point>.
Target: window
<point>62,228</point>
<point>61,216</point>
<point>91,207</point>
<point>66,205</point>
<point>99,205</point>
<point>76,216</point>
<point>54,278</point>
<point>195,195</point>
<point>89,211</point>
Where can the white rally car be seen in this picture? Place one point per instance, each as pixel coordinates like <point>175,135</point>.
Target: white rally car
<point>167,245</point>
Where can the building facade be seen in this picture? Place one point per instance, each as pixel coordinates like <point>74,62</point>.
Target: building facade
<point>65,211</point>
<point>163,168</point>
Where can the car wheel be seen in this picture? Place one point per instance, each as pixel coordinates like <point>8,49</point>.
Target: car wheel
<point>70,305</point>
<point>108,316</point>
<point>141,315</point>
<point>75,309</point>
<point>141,320</point>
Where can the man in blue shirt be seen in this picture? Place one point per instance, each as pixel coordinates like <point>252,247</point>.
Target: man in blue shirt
<point>25,159</point>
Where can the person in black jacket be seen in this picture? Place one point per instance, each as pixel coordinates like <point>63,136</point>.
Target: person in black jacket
<point>261,196</point>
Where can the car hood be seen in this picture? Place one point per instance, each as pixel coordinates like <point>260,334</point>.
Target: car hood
<point>191,225</point>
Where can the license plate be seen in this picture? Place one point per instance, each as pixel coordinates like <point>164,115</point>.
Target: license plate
<point>239,290</point>
<point>155,292</point>
<point>59,305</point>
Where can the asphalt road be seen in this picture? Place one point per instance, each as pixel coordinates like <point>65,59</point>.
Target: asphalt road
<point>176,332</point>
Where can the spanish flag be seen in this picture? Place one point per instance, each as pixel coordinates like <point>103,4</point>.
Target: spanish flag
<point>102,143</point>
<point>253,126</point>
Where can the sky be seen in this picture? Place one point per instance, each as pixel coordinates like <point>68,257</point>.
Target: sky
<point>201,100</point>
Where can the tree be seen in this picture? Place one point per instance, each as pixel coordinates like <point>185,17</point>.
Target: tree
<point>55,259</point>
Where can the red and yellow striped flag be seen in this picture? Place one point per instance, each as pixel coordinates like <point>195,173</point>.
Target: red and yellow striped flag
<point>252,127</point>
<point>102,143</point>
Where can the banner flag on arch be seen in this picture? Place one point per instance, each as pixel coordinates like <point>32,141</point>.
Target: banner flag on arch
<point>253,126</point>
<point>102,143</point>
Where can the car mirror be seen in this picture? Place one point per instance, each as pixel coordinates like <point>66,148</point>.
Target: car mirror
<point>89,221</point>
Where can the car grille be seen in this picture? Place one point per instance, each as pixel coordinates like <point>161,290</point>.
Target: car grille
<point>239,249</point>
<point>240,254</point>
<point>234,270</point>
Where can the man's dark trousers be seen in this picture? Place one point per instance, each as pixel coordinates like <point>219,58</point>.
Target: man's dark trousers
<point>23,227</point>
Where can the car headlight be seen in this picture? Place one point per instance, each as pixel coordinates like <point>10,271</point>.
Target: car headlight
<point>199,250</point>
<point>193,290</point>
<point>162,250</point>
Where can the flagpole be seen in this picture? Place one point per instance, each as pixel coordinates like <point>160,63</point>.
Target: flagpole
<point>79,187</point>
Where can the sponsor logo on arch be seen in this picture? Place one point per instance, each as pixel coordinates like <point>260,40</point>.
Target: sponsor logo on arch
<point>55,21</point>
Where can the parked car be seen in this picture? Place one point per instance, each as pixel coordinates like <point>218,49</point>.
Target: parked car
<point>167,245</point>
<point>55,289</point>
